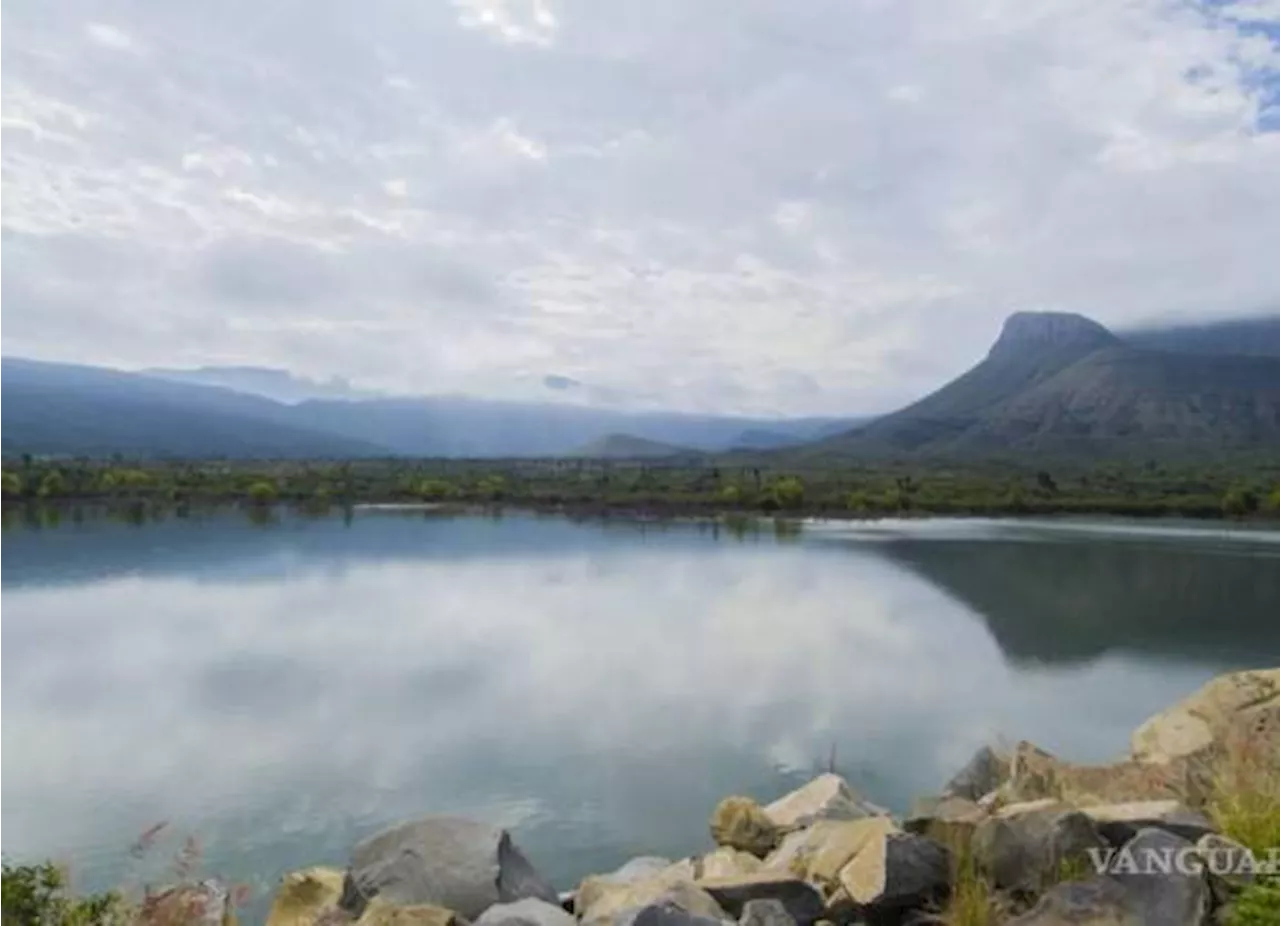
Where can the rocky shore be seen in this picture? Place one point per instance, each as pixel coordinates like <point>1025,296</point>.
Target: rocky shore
<point>1017,836</point>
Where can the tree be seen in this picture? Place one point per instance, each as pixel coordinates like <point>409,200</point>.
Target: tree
<point>52,485</point>
<point>1238,502</point>
<point>263,492</point>
<point>12,485</point>
<point>784,492</point>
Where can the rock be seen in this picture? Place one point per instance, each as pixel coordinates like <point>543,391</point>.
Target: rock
<point>1145,889</point>
<point>1167,898</point>
<point>527,912</point>
<point>207,903</point>
<point>896,872</point>
<point>827,797</point>
<point>950,821</point>
<point>765,913</point>
<point>726,862</point>
<point>982,774</point>
<point>607,901</point>
<point>449,862</point>
<point>379,912</point>
<point>304,895</point>
<point>1036,774</point>
<point>1118,823</point>
<point>665,912</point>
<point>818,853</point>
<point>803,904</point>
<point>1239,702</point>
<point>1098,901</point>
<point>1024,847</point>
<point>741,823</point>
<point>648,874</point>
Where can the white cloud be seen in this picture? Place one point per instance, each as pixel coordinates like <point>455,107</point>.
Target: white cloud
<point>824,207</point>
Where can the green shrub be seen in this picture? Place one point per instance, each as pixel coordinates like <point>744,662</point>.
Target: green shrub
<point>784,492</point>
<point>262,492</point>
<point>433,490</point>
<point>36,895</point>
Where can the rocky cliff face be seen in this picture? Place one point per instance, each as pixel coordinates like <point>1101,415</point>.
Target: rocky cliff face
<point>1049,332</point>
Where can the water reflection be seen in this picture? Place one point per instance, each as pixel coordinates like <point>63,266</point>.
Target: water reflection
<point>285,688</point>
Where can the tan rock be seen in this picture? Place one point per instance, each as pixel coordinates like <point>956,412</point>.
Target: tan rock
<point>1036,774</point>
<point>606,900</point>
<point>893,871</point>
<point>827,797</point>
<point>741,823</point>
<point>645,869</point>
<point>818,853</point>
<point>1231,704</point>
<point>204,904</point>
<point>381,913</point>
<point>304,895</point>
<point>1119,823</point>
<point>727,862</point>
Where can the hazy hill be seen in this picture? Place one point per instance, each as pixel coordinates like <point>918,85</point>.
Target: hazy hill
<point>629,447</point>
<point>1250,337</point>
<point>1060,384</point>
<point>56,408</point>
<point>269,383</point>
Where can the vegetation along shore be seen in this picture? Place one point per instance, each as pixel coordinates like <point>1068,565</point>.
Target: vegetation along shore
<point>1183,831</point>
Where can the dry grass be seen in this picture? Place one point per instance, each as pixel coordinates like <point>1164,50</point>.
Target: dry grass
<point>1245,799</point>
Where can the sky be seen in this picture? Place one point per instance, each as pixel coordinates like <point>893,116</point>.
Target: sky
<point>809,207</point>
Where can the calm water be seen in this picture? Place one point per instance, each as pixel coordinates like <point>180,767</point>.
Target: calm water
<point>282,690</point>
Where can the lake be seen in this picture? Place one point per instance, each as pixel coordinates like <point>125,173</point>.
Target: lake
<point>283,687</point>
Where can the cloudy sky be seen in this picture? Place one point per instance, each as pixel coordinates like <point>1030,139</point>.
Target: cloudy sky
<point>823,206</point>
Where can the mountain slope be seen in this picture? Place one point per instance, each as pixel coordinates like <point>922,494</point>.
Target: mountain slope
<point>1060,384</point>
<point>629,447</point>
<point>64,409</point>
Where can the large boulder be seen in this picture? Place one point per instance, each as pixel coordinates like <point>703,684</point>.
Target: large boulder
<point>1118,823</point>
<point>449,862</point>
<point>981,775</point>
<point>818,853</point>
<point>827,797</point>
<point>741,823</point>
<point>1025,847</point>
<point>637,882</point>
<point>894,873</point>
<point>801,900</point>
<point>1145,886</point>
<point>600,900</point>
<point>1231,866</point>
<point>304,895</point>
<point>527,912</point>
<point>1239,703</point>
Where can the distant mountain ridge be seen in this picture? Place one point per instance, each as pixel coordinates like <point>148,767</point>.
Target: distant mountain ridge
<point>1061,384</point>
<point>629,447</point>
<point>53,408</point>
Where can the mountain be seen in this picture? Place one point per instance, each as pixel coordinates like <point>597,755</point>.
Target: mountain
<point>64,409</point>
<point>629,447</point>
<point>1058,384</point>
<point>52,408</point>
<point>278,385</point>
<point>1250,337</point>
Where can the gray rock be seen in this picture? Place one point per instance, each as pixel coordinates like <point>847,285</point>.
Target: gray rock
<point>906,872</point>
<point>527,912</point>
<point>1231,866</point>
<point>801,900</point>
<point>664,913</point>
<point>1141,892</point>
<point>459,864</point>
<point>765,913</point>
<point>1163,898</point>
<point>1023,848</point>
<point>981,775</point>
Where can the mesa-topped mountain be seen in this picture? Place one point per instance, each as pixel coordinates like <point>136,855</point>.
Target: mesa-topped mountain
<point>1059,384</point>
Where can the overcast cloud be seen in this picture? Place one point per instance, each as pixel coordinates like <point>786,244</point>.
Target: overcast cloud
<point>748,205</point>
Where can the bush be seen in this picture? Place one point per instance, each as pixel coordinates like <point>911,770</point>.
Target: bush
<point>1239,502</point>
<point>785,492</point>
<point>36,895</point>
<point>433,490</point>
<point>262,492</point>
